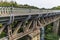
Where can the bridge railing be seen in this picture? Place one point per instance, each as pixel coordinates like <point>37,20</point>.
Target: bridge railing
<point>9,10</point>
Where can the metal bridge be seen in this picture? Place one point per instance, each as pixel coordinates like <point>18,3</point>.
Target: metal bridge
<point>27,22</point>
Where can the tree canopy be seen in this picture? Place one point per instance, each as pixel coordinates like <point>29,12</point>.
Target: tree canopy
<point>56,8</point>
<point>14,4</point>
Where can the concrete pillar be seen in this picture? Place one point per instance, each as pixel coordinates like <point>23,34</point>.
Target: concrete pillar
<point>59,28</point>
<point>56,27</point>
<point>42,33</point>
<point>35,35</point>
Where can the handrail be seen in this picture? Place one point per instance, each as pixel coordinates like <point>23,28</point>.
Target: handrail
<point>9,10</point>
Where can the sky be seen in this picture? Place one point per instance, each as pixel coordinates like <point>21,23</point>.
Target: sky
<point>40,3</point>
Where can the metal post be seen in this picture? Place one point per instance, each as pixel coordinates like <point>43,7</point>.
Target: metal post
<point>11,14</point>
<point>29,10</point>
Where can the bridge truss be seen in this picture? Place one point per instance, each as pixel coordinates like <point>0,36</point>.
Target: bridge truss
<point>26,24</point>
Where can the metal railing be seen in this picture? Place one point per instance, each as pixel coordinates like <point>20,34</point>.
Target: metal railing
<point>8,10</point>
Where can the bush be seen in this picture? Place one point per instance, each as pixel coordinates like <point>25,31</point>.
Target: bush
<point>3,34</point>
<point>51,37</point>
<point>0,25</point>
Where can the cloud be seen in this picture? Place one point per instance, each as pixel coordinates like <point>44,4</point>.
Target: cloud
<point>40,3</point>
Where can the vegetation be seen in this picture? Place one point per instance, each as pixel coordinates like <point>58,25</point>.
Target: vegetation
<point>56,8</point>
<point>14,4</point>
<point>53,8</point>
<point>49,35</point>
<point>0,25</point>
<point>3,34</point>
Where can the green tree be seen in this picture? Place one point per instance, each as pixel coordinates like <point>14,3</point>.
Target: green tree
<point>14,4</point>
<point>56,8</point>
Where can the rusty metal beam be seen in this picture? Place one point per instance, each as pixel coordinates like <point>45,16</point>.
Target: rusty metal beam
<point>17,28</point>
<point>2,28</point>
<point>10,33</point>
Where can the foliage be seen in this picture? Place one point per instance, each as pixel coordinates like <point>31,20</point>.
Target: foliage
<point>43,8</point>
<point>56,8</point>
<point>0,25</point>
<point>14,4</point>
<point>3,34</point>
<point>49,35</point>
<point>27,6</point>
<point>7,4</point>
<point>48,29</point>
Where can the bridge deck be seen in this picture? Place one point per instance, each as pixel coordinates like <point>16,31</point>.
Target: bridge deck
<point>4,11</point>
<point>6,14</point>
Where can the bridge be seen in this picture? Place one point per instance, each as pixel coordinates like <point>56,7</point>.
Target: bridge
<point>28,22</point>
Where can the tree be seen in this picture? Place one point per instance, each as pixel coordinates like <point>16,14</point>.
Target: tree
<point>42,8</point>
<point>14,4</point>
<point>56,8</point>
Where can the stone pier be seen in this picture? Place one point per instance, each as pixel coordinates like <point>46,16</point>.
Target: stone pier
<point>56,27</point>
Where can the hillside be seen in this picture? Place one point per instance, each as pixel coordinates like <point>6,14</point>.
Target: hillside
<point>56,8</point>
<point>14,4</point>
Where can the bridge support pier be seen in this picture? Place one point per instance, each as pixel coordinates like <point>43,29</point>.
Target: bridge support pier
<point>35,35</point>
<point>42,33</point>
<point>56,27</point>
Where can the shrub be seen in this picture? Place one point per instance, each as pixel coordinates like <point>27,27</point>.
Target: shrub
<point>3,34</point>
<point>51,37</point>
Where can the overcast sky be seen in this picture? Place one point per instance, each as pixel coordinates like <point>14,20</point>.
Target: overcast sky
<point>40,3</point>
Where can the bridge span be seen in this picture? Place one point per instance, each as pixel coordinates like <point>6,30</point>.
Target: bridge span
<point>27,22</point>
